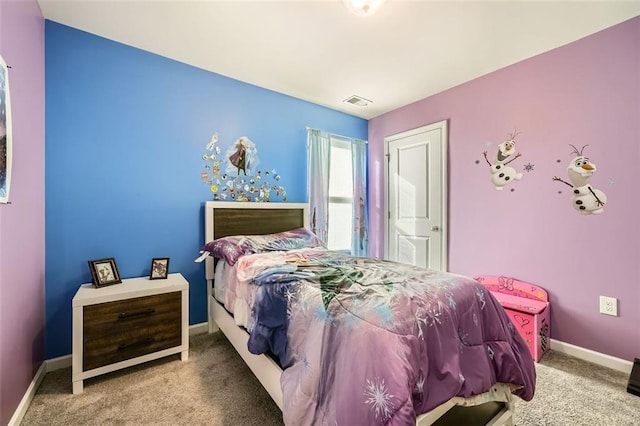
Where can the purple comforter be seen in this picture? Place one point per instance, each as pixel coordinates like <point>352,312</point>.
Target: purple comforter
<point>368,342</point>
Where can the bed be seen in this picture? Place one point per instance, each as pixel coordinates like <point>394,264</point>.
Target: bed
<point>360,377</point>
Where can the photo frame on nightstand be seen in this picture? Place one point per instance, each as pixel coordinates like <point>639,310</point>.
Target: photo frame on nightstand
<point>104,272</point>
<point>159,268</point>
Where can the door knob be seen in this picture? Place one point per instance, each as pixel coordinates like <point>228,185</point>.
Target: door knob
<point>435,228</point>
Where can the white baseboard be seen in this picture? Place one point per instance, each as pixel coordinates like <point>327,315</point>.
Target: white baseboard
<point>58,363</point>
<point>592,356</point>
<point>194,329</point>
<point>18,415</point>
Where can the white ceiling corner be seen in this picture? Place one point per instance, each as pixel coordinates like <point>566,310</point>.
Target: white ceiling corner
<point>317,51</point>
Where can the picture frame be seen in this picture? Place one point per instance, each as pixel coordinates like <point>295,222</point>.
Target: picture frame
<point>6,141</point>
<point>104,272</point>
<point>159,268</point>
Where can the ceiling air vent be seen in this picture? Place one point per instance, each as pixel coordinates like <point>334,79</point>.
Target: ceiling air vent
<point>357,100</point>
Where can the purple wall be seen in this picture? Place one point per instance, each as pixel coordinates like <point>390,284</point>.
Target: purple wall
<point>22,221</point>
<point>587,92</point>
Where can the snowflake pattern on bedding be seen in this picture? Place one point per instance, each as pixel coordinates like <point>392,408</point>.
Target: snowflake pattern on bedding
<point>379,398</point>
<point>363,339</point>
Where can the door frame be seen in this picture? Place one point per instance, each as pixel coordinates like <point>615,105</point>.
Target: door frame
<point>444,178</point>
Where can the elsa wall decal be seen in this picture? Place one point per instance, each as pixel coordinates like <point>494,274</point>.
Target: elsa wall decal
<point>234,175</point>
<point>242,157</point>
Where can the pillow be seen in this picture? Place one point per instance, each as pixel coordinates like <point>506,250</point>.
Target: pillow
<point>231,248</point>
<point>286,240</point>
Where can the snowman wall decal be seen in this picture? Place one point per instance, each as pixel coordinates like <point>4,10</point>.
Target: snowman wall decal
<point>586,200</point>
<point>501,174</point>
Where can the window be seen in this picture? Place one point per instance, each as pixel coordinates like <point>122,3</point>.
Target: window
<point>340,196</point>
<point>337,176</point>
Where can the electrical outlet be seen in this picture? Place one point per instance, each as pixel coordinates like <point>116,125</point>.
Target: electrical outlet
<point>609,306</point>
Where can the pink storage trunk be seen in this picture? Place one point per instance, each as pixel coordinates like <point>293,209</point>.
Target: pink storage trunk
<point>528,307</point>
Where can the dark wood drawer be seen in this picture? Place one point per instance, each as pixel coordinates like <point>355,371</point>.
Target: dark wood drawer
<point>124,329</point>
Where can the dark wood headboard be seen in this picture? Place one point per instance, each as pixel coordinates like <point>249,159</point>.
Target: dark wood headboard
<point>239,221</point>
<point>222,219</point>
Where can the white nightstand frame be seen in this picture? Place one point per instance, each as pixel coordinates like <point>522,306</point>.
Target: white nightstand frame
<point>128,289</point>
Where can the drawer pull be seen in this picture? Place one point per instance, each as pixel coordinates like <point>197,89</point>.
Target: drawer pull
<point>138,343</point>
<point>126,315</point>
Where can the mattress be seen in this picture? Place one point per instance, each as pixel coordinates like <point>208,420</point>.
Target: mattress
<point>231,293</point>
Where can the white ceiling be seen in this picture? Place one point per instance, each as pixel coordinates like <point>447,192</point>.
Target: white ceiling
<point>317,51</point>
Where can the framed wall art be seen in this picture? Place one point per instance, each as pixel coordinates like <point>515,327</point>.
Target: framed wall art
<point>5,133</point>
<point>104,272</point>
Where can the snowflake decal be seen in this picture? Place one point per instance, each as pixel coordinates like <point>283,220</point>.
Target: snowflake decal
<point>419,321</point>
<point>420,386</point>
<point>483,302</point>
<point>289,296</point>
<point>378,397</point>
<point>431,317</point>
<point>451,300</point>
<point>463,340</point>
<point>528,167</point>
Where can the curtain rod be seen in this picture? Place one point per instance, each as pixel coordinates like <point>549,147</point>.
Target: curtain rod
<point>335,134</point>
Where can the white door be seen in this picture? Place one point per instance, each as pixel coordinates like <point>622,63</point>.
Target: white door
<point>416,198</point>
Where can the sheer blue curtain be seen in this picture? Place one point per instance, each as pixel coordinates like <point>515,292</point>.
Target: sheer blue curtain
<point>319,144</point>
<point>360,238</point>
<point>319,155</point>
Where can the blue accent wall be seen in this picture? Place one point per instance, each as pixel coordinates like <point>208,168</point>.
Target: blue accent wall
<point>125,135</point>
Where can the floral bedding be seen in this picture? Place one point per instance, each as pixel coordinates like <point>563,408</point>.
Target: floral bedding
<point>371,342</point>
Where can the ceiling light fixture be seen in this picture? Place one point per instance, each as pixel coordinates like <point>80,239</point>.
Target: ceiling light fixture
<point>363,7</point>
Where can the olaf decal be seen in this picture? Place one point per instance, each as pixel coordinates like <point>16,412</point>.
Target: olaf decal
<point>586,199</point>
<point>501,174</point>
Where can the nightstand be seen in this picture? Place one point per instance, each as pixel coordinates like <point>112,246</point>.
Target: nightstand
<point>126,324</point>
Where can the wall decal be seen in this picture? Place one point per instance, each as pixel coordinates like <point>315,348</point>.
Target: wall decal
<point>586,200</point>
<point>501,174</point>
<point>242,155</point>
<point>240,180</point>
<point>6,146</point>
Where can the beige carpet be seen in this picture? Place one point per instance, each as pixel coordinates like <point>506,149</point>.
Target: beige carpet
<point>214,387</point>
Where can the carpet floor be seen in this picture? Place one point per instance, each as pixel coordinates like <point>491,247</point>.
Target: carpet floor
<point>215,387</point>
